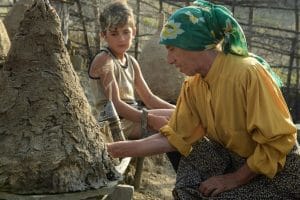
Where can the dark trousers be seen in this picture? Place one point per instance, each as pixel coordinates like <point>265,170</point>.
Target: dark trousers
<point>174,158</point>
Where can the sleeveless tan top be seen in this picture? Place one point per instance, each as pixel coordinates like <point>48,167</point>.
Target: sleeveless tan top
<point>125,79</point>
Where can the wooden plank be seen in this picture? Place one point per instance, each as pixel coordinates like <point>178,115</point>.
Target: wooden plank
<point>63,196</point>
<point>112,188</point>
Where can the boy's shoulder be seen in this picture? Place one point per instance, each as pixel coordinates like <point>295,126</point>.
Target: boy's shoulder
<point>102,58</point>
<point>133,60</point>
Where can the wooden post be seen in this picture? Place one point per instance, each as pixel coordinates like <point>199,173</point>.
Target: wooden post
<point>140,160</point>
<point>96,6</point>
<point>296,115</point>
<point>136,49</point>
<point>250,22</point>
<point>89,52</point>
<point>293,52</point>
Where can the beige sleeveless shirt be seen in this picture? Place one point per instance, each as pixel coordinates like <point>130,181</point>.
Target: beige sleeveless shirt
<point>125,79</point>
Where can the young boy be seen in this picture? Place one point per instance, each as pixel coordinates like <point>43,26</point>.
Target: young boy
<point>117,76</point>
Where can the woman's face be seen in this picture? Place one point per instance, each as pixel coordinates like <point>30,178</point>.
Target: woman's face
<point>119,39</point>
<point>188,62</point>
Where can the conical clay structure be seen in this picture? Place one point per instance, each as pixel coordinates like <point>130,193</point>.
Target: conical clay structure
<point>163,79</point>
<point>50,141</point>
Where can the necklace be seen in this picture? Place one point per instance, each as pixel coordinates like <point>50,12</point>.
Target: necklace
<point>118,61</point>
<point>125,65</point>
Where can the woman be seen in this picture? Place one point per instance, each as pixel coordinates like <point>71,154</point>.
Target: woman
<point>231,122</point>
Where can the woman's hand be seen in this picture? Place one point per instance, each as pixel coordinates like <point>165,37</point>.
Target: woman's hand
<point>121,149</point>
<point>218,184</point>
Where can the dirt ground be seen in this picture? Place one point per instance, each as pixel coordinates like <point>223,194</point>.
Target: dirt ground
<point>158,179</point>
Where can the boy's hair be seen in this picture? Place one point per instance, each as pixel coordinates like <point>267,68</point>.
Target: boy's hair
<point>116,14</point>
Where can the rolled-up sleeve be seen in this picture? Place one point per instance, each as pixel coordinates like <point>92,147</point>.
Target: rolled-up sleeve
<point>184,127</point>
<point>269,123</point>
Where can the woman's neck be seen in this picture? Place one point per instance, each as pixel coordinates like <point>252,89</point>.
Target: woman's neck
<point>210,58</point>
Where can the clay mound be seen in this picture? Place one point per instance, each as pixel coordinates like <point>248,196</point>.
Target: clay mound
<point>163,79</point>
<point>4,42</point>
<point>15,16</point>
<point>50,141</point>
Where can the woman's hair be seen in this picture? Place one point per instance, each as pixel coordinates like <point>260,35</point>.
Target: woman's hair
<point>116,14</point>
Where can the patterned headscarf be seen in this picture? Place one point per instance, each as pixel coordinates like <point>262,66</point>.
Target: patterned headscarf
<point>203,26</point>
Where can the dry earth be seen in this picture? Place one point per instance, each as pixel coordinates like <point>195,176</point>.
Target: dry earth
<point>158,179</point>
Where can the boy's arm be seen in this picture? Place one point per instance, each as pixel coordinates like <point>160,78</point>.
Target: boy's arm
<point>149,99</point>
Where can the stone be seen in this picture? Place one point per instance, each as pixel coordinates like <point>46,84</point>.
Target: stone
<point>122,192</point>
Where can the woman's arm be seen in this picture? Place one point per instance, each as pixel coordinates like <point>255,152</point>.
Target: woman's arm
<point>155,144</point>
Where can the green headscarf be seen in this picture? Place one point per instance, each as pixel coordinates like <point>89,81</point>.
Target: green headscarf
<point>204,25</point>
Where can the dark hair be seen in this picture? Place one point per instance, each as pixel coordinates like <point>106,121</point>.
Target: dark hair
<point>116,14</point>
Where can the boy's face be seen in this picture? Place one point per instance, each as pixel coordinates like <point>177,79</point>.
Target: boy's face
<point>119,39</point>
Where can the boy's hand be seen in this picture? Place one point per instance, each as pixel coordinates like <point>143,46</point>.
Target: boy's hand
<point>156,122</point>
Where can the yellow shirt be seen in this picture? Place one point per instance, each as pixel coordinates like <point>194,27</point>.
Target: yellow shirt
<point>238,105</point>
